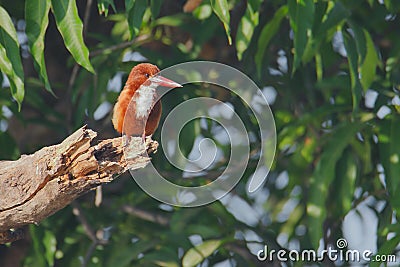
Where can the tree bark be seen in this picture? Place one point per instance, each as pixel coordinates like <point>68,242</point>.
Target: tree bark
<point>35,186</point>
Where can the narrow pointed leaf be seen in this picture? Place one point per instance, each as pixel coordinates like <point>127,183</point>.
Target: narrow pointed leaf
<point>269,30</point>
<point>221,9</point>
<point>389,148</point>
<point>324,175</point>
<point>352,57</point>
<point>246,27</point>
<point>103,6</point>
<point>334,18</point>
<point>392,5</point>
<point>135,11</point>
<point>37,20</point>
<point>370,63</point>
<point>71,28</point>
<point>301,20</point>
<point>155,6</point>
<point>10,58</point>
<point>199,253</point>
<point>129,4</point>
<point>320,14</point>
<point>367,56</point>
<point>388,248</point>
<point>49,243</point>
<point>345,183</point>
<point>360,41</point>
<point>327,18</point>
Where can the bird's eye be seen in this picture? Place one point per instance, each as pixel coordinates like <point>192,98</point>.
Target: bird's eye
<point>147,75</point>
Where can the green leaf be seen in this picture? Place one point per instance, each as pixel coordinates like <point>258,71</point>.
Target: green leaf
<point>360,40</point>
<point>70,26</point>
<point>200,252</point>
<point>189,133</point>
<point>155,7</point>
<point>37,20</point>
<point>163,263</point>
<point>129,4</point>
<point>135,11</point>
<point>9,149</point>
<point>10,59</point>
<point>320,13</point>
<point>37,234</point>
<point>324,175</point>
<point>388,248</point>
<point>122,256</point>
<point>203,11</point>
<point>367,56</point>
<point>319,67</point>
<point>173,20</point>
<point>163,257</point>
<point>389,148</point>
<point>352,57</point>
<point>221,9</point>
<point>269,30</point>
<point>334,18</point>
<point>392,5</point>
<point>369,64</point>
<point>102,6</point>
<point>345,183</point>
<point>301,14</point>
<point>206,231</point>
<point>324,27</point>
<point>246,27</point>
<point>49,243</point>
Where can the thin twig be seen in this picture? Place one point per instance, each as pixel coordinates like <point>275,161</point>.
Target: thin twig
<point>137,42</point>
<point>87,16</point>
<point>74,74</point>
<point>89,254</point>
<point>77,211</point>
<point>146,215</point>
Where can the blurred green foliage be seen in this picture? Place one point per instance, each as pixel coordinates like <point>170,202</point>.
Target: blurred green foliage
<point>334,66</point>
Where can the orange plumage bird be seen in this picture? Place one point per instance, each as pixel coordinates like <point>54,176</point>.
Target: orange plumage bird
<point>136,112</point>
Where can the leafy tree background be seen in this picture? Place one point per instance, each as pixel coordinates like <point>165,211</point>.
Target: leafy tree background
<point>331,70</point>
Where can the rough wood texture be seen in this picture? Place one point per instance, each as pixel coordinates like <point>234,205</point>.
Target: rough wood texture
<point>36,186</point>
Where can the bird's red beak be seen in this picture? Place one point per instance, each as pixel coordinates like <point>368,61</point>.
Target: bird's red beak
<point>160,80</point>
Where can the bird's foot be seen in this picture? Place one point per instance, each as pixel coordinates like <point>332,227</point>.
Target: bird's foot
<point>126,140</point>
<point>144,137</point>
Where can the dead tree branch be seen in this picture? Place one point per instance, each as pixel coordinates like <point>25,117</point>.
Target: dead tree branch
<point>35,186</point>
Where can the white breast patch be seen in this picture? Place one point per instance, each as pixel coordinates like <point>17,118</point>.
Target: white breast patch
<point>146,95</point>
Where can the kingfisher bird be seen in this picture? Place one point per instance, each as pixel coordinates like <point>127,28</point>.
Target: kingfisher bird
<point>137,113</point>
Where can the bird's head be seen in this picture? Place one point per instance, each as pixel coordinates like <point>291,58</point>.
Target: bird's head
<point>146,72</point>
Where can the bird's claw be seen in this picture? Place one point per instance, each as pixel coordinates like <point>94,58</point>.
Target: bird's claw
<point>126,140</point>
<point>144,137</point>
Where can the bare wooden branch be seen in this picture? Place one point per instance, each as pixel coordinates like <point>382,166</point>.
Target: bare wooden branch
<point>36,186</point>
